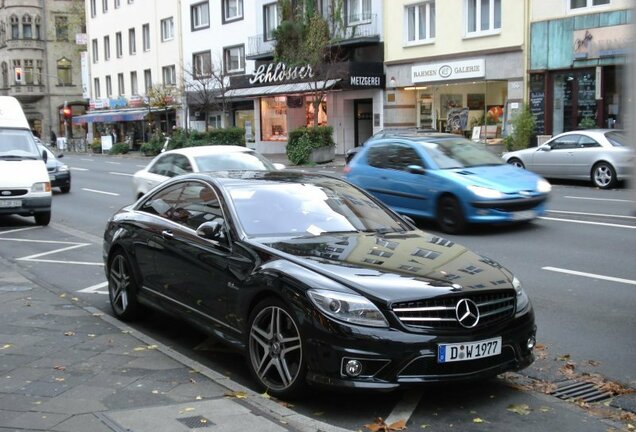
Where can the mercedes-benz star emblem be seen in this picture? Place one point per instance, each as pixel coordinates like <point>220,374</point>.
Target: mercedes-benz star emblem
<point>467,313</point>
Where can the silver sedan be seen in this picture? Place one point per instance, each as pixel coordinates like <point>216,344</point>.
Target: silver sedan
<point>600,155</point>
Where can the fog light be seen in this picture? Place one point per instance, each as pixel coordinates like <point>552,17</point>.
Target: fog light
<point>353,368</point>
<point>531,343</point>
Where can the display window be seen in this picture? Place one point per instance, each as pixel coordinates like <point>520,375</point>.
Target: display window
<point>310,112</point>
<point>274,118</point>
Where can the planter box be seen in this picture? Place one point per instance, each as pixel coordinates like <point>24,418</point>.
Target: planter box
<point>322,154</point>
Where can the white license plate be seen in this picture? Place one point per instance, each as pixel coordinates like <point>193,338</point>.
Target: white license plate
<point>469,350</point>
<point>524,215</point>
<point>10,203</point>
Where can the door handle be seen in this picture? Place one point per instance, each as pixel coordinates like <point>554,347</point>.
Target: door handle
<point>167,234</point>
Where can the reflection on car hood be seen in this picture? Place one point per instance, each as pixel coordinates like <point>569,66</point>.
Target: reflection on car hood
<point>396,266</point>
<point>505,178</point>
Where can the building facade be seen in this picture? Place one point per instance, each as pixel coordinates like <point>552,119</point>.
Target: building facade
<point>454,64</point>
<point>40,61</point>
<point>135,61</point>
<point>578,53</point>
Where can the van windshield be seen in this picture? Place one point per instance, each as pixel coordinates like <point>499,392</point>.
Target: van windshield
<point>18,144</point>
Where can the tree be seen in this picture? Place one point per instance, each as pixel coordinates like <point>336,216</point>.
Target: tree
<point>304,37</point>
<point>162,97</point>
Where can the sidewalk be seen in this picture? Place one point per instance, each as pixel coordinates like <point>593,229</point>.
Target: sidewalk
<point>67,367</point>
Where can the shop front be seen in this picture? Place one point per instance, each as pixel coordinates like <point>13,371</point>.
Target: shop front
<point>456,95</point>
<point>284,99</point>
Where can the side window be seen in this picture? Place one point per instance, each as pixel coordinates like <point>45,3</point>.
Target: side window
<point>199,203</point>
<point>406,155</point>
<point>587,142</point>
<point>164,202</point>
<point>393,156</point>
<point>181,165</point>
<point>377,156</point>
<point>162,166</point>
<point>566,143</point>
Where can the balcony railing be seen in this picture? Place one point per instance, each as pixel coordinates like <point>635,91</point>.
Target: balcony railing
<point>257,45</point>
<point>26,92</point>
<point>25,44</point>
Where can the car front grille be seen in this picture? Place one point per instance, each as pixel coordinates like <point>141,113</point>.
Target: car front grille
<point>511,205</point>
<point>439,313</point>
<point>6,193</point>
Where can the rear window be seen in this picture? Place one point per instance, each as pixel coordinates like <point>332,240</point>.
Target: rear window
<point>617,139</point>
<point>234,161</point>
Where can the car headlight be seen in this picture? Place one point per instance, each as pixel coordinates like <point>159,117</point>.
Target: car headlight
<point>351,308</point>
<point>522,298</point>
<point>543,186</point>
<point>41,187</point>
<point>485,192</point>
<point>62,168</point>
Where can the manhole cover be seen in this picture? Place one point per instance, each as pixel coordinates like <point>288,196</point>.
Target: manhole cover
<point>14,288</point>
<point>580,391</point>
<point>195,422</point>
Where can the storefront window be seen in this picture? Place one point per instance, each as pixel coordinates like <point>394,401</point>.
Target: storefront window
<point>574,103</point>
<point>245,119</point>
<point>274,118</point>
<point>322,111</point>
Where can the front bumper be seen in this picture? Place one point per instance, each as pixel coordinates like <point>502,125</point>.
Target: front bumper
<point>393,359</point>
<point>28,205</point>
<point>511,210</point>
<point>60,179</point>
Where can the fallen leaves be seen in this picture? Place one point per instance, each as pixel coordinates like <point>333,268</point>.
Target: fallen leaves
<point>6,346</point>
<point>59,367</point>
<point>69,333</point>
<point>379,425</point>
<point>521,409</point>
<point>236,394</point>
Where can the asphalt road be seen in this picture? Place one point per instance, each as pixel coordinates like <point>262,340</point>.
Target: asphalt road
<point>576,263</point>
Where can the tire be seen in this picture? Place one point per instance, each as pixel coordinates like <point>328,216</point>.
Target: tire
<point>450,216</point>
<point>275,347</point>
<point>122,288</point>
<point>516,162</point>
<point>65,189</point>
<point>43,218</point>
<point>604,175</point>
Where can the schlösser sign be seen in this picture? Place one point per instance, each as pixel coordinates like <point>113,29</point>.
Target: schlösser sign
<point>279,72</point>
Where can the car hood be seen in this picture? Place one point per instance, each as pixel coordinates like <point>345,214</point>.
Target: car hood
<point>22,173</point>
<point>397,266</point>
<point>505,178</point>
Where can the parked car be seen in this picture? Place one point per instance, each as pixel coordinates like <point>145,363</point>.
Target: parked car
<point>600,155</point>
<point>349,154</point>
<point>59,173</point>
<point>316,281</point>
<point>196,159</point>
<point>447,178</point>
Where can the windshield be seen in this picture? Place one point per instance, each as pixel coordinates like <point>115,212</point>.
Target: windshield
<point>617,139</point>
<point>233,161</point>
<point>17,144</point>
<point>306,209</point>
<point>459,153</point>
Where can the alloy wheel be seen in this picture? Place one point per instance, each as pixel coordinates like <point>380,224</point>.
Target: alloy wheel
<point>119,285</point>
<point>604,176</point>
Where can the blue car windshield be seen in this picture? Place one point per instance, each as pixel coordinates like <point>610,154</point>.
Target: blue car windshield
<point>459,153</point>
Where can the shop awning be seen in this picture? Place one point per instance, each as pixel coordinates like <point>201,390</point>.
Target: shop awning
<point>281,89</point>
<point>109,116</point>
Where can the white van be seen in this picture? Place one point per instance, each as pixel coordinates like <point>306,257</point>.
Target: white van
<point>25,188</point>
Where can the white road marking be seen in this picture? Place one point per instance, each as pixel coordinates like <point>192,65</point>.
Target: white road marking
<point>19,229</point>
<point>598,199</point>
<point>590,275</point>
<point>101,192</point>
<point>141,166</point>
<point>592,214</point>
<point>405,408</point>
<point>587,222</point>
<point>79,169</point>
<point>114,163</point>
<point>37,257</point>
<point>89,160</point>
<point>121,174</point>
<point>95,289</point>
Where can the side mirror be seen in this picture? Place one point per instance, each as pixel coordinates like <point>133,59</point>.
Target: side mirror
<point>416,169</point>
<point>279,166</point>
<point>213,230</point>
<point>45,156</point>
<point>61,155</point>
<point>545,147</point>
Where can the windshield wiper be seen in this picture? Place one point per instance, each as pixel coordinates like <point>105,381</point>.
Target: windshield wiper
<point>15,157</point>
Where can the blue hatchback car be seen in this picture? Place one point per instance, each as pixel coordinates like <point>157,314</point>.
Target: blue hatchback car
<point>447,178</point>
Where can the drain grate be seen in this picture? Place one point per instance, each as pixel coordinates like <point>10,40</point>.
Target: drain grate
<point>195,422</point>
<point>580,391</point>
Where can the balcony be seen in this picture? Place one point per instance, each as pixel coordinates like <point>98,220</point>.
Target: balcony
<point>26,93</point>
<point>258,48</point>
<point>20,44</point>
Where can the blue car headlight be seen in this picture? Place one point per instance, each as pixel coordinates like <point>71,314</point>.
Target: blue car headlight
<point>484,192</point>
<point>351,308</point>
<point>523,302</point>
<point>543,186</point>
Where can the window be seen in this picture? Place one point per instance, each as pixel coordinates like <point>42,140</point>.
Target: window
<point>215,122</point>
<point>393,156</point>
<point>104,6</point>
<point>93,8</point>
<point>61,28</point>
<point>109,86</point>
<point>117,4</point>
<point>95,51</point>
<point>133,83</point>
<point>420,22</point>
<point>232,10</point>
<point>167,29</point>
<point>120,84</point>
<point>147,80</point>
<point>38,35</point>
<point>358,11</point>
<point>483,16</point>
<point>106,48</point>
<point>27,27</point>
<point>64,71</point>
<point>234,59</point>
<point>200,15</point>
<point>201,64</point>
<point>270,20</point>
<point>274,118</point>
<point>96,88</point>
<point>169,75</point>
<point>119,50</point>
<point>132,43</point>
<point>145,36</point>
<point>28,71</point>
<point>585,4</point>
<point>15,27</point>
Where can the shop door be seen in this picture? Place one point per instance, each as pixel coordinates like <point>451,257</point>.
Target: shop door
<point>363,112</point>
<point>573,100</point>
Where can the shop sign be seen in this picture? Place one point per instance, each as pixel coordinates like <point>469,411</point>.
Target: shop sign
<point>120,102</point>
<point>358,81</point>
<point>448,71</point>
<point>135,102</point>
<point>279,72</point>
<point>602,41</point>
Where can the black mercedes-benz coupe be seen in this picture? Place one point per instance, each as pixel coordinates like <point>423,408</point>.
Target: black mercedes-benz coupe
<point>317,282</point>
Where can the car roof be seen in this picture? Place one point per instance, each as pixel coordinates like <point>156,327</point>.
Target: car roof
<point>208,150</point>
<point>254,177</point>
<point>414,136</point>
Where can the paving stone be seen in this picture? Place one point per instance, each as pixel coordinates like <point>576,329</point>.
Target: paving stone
<point>82,423</point>
<point>39,388</point>
<point>9,361</point>
<point>203,389</point>
<point>21,403</point>
<point>155,360</point>
<point>19,377</point>
<point>625,402</point>
<point>110,380</point>
<point>82,399</point>
<point>127,398</point>
<point>36,420</point>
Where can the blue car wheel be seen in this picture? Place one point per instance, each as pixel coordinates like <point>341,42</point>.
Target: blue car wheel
<point>450,216</point>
